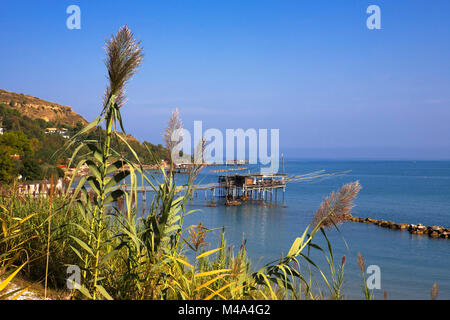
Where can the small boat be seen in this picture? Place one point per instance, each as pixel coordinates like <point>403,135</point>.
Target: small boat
<point>233,203</point>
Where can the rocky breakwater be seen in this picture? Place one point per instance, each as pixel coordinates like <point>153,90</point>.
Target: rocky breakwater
<point>419,229</point>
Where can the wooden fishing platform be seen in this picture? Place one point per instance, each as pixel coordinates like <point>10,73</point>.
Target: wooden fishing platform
<point>256,186</point>
<point>236,188</point>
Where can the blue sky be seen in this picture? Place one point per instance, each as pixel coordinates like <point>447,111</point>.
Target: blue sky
<point>312,69</point>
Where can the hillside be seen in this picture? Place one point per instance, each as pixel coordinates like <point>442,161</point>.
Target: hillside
<point>36,108</point>
<point>28,149</point>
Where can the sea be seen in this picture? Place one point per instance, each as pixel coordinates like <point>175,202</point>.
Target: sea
<point>401,191</point>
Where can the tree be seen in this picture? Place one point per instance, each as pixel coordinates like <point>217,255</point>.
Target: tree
<point>53,171</point>
<point>30,169</point>
<point>78,127</point>
<point>17,142</point>
<point>8,168</point>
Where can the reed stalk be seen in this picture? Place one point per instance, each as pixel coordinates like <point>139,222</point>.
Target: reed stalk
<point>50,211</point>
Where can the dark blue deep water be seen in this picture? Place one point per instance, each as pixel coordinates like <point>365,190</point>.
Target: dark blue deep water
<point>402,191</point>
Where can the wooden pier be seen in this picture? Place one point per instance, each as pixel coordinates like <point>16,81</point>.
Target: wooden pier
<point>237,187</point>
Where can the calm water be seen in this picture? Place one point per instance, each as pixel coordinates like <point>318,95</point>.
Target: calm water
<point>402,191</point>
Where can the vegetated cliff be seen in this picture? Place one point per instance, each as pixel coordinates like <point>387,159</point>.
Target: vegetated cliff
<point>36,108</point>
<point>31,115</point>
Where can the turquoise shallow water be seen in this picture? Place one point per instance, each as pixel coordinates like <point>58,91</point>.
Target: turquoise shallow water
<point>402,191</point>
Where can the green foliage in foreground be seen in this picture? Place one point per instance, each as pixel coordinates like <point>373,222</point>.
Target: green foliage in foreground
<point>151,256</point>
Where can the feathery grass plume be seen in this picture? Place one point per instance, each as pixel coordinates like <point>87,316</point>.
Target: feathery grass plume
<point>361,262</point>
<point>199,161</point>
<point>199,152</point>
<point>362,266</point>
<point>173,125</point>
<point>333,209</point>
<point>123,57</point>
<point>434,291</point>
<point>198,235</point>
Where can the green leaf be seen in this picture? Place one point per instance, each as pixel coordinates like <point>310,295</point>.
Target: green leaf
<point>115,166</point>
<point>96,152</point>
<point>76,252</point>
<point>5,282</point>
<point>80,133</point>
<point>95,185</point>
<point>129,147</point>
<point>113,196</point>
<point>295,246</point>
<point>103,292</point>
<point>83,245</point>
<point>298,245</point>
<point>84,291</point>
<point>116,179</point>
<point>94,169</point>
<point>207,253</point>
<point>108,256</point>
<point>76,191</point>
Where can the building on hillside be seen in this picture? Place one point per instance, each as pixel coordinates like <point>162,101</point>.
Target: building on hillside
<point>63,132</point>
<point>51,130</point>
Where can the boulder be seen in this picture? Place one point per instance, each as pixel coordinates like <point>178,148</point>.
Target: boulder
<point>434,234</point>
<point>437,228</point>
<point>384,224</point>
<point>393,226</point>
<point>421,229</point>
<point>403,226</point>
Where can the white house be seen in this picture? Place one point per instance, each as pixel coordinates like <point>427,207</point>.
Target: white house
<point>62,132</point>
<point>51,130</point>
